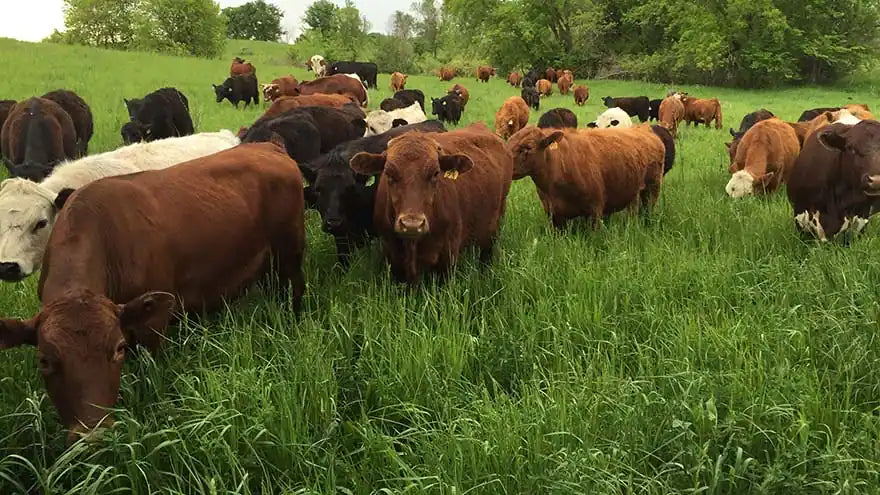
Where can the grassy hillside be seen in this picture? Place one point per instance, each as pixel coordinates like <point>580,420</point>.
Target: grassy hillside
<point>708,351</point>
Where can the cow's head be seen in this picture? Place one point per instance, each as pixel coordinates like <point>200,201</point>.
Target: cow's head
<point>271,91</point>
<point>412,168</point>
<point>742,183</point>
<point>135,132</point>
<point>530,147</point>
<point>81,339</point>
<point>337,192</point>
<point>608,101</point>
<point>133,106</point>
<point>860,145</point>
<point>223,91</point>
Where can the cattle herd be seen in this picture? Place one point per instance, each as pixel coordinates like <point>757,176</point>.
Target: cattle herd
<point>125,240</point>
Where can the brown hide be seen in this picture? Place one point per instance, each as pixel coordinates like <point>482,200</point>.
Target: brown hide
<point>581,95</point>
<point>767,152</point>
<point>283,86</point>
<point>551,75</point>
<point>239,68</point>
<point>514,79</point>
<point>62,144</point>
<point>511,117</point>
<point>700,110</point>
<point>286,103</point>
<point>462,93</point>
<point>484,72</point>
<point>446,73</point>
<point>544,87</point>
<point>671,112</point>
<point>565,82</point>
<point>398,81</point>
<point>339,84</point>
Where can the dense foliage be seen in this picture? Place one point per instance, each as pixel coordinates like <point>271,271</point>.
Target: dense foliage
<point>255,20</point>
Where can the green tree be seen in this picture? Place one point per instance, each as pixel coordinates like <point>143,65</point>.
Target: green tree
<point>321,16</point>
<point>255,20</point>
<point>194,27</point>
<point>428,25</point>
<point>104,23</point>
<point>351,31</point>
<point>401,25</point>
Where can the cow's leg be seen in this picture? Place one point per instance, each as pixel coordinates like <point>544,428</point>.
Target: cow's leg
<point>287,250</point>
<point>558,221</point>
<point>343,251</point>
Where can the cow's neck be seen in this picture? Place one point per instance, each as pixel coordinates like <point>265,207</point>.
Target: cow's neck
<point>76,261</point>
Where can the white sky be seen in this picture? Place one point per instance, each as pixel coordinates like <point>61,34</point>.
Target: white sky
<point>33,20</point>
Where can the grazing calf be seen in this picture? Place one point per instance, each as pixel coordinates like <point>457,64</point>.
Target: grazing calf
<point>34,206</point>
<point>448,108</point>
<point>425,213</point>
<point>403,99</point>
<point>307,131</point>
<point>581,95</point>
<point>564,83</point>
<point>702,110</point>
<point>286,103</point>
<point>366,71</point>
<point>613,117</point>
<point>764,159</point>
<point>282,86</point>
<point>669,144</point>
<point>318,65</point>
<point>161,114</point>
<point>544,87</point>
<point>462,93</point>
<point>834,186</point>
<point>37,135</point>
<point>671,113</point>
<point>557,118</point>
<point>126,250</point>
<point>446,73</point>
<point>551,75</point>
<point>398,81</point>
<point>379,121</point>
<point>341,196</point>
<point>237,89</point>
<point>636,106</point>
<point>514,79</point>
<point>590,173</point>
<point>339,84</point>
<point>80,114</point>
<point>654,109</point>
<point>511,117</point>
<point>484,72</point>
<point>241,68</point>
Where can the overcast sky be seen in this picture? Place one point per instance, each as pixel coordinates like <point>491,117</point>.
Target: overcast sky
<point>33,20</point>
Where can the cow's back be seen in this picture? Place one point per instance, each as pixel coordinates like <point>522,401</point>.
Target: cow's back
<point>814,175</point>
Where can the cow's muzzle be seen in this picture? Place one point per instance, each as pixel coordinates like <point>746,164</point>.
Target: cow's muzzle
<point>411,225</point>
<point>871,185</point>
<point>11,272</point>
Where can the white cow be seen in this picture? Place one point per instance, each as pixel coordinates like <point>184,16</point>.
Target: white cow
<point>318,65</point>
<point>613,117</point>
<point>379,121</point>
<point>28,209</point>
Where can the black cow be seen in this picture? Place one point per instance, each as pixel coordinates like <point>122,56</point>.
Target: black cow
<point>635,106</point>
<point>811,114</point>
<point>654,109</point>
<point>308,131</point>
<point>558,118</point>
<point>239,88</point>
<point>161,114</point>
<point>341,196</point>
<point>531,96</point>
<point>448,108</point>
<point>403,99</point>
<point>669,144</point>
<point>367,71</point>
<point>749,120</point>
<point>80,114</point>
<point>532,78</point>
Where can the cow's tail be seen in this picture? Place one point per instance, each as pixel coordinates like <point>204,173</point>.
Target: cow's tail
<point>718,118</point>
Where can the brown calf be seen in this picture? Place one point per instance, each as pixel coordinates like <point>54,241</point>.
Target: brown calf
<point>286,103</point>
<point>701,110</point>
<point>764,158</point>
<point>581,95</point>
<point>283,86</point>
<point>514,79</point>
<point>124,249</point>
<point>564,84</point>
<point>446,73</point>
<point>511,117</point>
<point>590,173</point>
<point>551,74</point>
<point>438,194</point>
<point>671,112</point>
<point>398,81</point>
<point>239,67</point>
<point>484,72</point>
<point>462,93</point>
<point>339,84</point>
<point>568,73</point>
<point>544,87</point>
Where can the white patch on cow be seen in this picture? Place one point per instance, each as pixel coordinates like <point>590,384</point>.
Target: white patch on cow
<point>818,230</point>
<point>740,185</point>
<point>859,224</point>
<point>24,204</point>
<point>845,117</point>
<point>379,121</point>
<point>802,220</point>
<point>614,117</point>
<point>318,65</point>
<point>510,122</point>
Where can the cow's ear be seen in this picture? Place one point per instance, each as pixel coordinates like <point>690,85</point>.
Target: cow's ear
<point>310,198</point>
<point>833,139</point>
<point>450,164</point>
<point>62,196</point>
<point>145,315</point>
<point>555,137</point>
<point>15,333</point>
<point>367,163</point>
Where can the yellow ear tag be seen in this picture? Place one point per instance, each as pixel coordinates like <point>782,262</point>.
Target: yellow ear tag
<point>451,174</point>
<point>554,145</point>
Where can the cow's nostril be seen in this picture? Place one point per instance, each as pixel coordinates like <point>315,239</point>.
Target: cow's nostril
<point>10,271</point>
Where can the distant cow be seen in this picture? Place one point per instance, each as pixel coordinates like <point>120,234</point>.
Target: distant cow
<point>37,135</point>
<point>558,118</point>
<point>590,173</point>
<point>654,109</point>
<point>514,79</point>
<point>702,110</point>
<point>339,84</point>
<point>437,195</point>
<point>531,97</point>
<point>551,75</point>
<point>403,99</point>
<point>307,131</point>
<point>113,280</point>
<point>80,114</point>
<point>812,113</point>
<point>282,86</point>
<point>240,68</point>
<point>379,121</point>
<point>448,108</point>
<point>462,93</point>
<point>613,117</point>
<point>367,71</point>
<point>484,72</point>
<point>5,108</point>
<point>341,196</point>
<point>237,89</point>
<point>318,65</point>
<point>531,78</point>
<point>286,103</point>
<point>764,159</point>
<point>398,81</point>
<point>671,113</point>
<point>161,114</point>
<point>544,87</point>
<point>32,205</point>
<point>635,106</point>
<point>446,73</point>
<point>564,83</point>
<point>581,95</point>
<point>834,186</point>
<point>511,117</point>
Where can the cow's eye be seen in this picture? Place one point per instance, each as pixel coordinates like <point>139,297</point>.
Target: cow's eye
<point>46,366</point>
<point>40,225</point>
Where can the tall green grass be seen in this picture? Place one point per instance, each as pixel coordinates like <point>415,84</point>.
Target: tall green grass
<point>707,351</point>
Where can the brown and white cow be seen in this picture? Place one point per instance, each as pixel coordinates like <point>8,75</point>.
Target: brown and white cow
<point>462,93</point>
<point>437,194</point>
<point>124,250</point>
<point>318,65</point>
<point>581,95</point>
<point>511,117</point>
<point>545,87</point>
<point>398,81</point>
<point>282,86</point>
<point>671,112</point>
<point>339,84</point>
<point>590,173</point>
<point>764,158</point>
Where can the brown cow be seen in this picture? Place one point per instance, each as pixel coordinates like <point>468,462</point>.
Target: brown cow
<point>701,110</point>
<point>37,135</point>
<point>511,117</point>
<point>568,73</point>
<point>551,74</point>
<point>514,79</point>
<point>239,67</point>
<point>80,114</point>
<point>590,173</point>
<point>581,95</point>
<point>564,83</point>
<point>545,87</point>
<point>462,93</point>
<point>438,194</point>
<point>124,249</point>
<point>283,86</point>
<point>484,72</point>
<point>671,112</point>
<point>398,81</point>
<point>446,73</point>
<point>339,84</point>
<point>764,158</point>
<point>286,103</point>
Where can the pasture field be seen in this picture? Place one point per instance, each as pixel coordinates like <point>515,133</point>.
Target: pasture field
<point>709,350</point>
